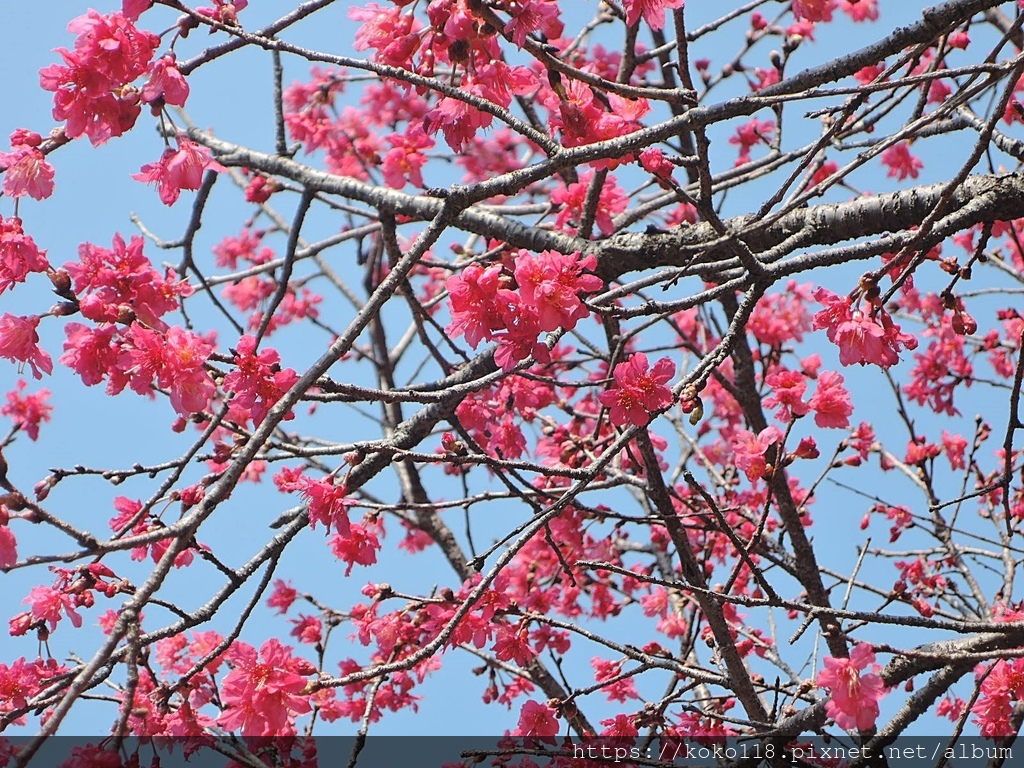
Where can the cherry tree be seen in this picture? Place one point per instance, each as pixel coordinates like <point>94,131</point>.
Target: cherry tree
<point>628,349</point>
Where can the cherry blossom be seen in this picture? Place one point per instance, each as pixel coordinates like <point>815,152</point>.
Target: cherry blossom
<point>900,162</point>
<point>750,451</point>
<point>25,169</point>
<point>853,696</point>
<point>265,690</point>
<point>638,390</point>
<point>28,410</point>
<point>19,341</point>
<point>178,169</point>
<point>653,11</point>
<point>860,337</point>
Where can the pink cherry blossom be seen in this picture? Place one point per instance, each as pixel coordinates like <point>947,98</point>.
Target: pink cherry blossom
<point>178,169</point>
<point>831,402</point>
<point>19,341</point>
<point>25,169</point>
<point>258,382</point>
<point>19,254</point>
<point>282,596</point>
<point>653,11</point>
<point>853,696</point>
<point>814,10</point>
<point>89,88</point>
<point>536,719</point>
<point>861,338</point>
<point>8,557</point>
<point>27,410</point>
<point>639,391</point>
<point>551,281</point>
<point>788,391</point>
<point>473,299</point>
<point>328,503</point>
<point>860,10</point>
<point>166,84</point>
<point>530,16</point>
<point>612,200</point>
<point>749,451</point>
<point>900,162</point>
<point>264,691</point>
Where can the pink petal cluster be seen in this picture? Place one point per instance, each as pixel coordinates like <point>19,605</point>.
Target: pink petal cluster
<point>900,162</point>
<point>114,283</point>
<point>178,169</point>
<point>639,391</point>
<point>89,88</point>
<point>403,163</point>
<point>749,451</point>
<point>328,503</point>
<point>652,11</point>
<point>19,254</point>
<point>788,389</point>
<point>551,282</point>
<point>536,719</point>
<point>484,306</point>
<point>861,338</point>
<point>853,695</point>
<point>140,358</point>
<point>8,548</point>
<point>814,10</point>
<point>264,691</point>
<point>19,341</point>
<point>611,201</point>
<point>831,402</point>
<point>27,410</point>
<point>166,84</point>
<point>25,169</point>
<point>257,382</point>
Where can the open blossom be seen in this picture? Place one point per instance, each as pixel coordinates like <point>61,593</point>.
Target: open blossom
<point>860,10</point>
<point>861,338</point>
<point>639,390</point>
<point>175,361</point>
<point>831,402</point>
<point>19,254</point>
<point>89,88</point>
<point>328,504</point>
<point>474,306</point>
<point>178,169</point>
<point>653,11</point>
<point>1002,687</point>
<point>8,552</point>
<point>900,162</point>
<point>258,382</point>
<point>853,696</point>
<point>531,16</point>
<point>749,451</point>
<point>264,691</point>
<point>25,169</point>
<point>550,282</point>
<point>28,411</point>
<point>166,84</point>
<point>536,719</point>
<point>573,199</point>
<point>20,341</point>
<point>788,389</point>
<point>48,604</point>
<point>405,161</point>
<point>113,282</point>
<point>814,10</point>
<point>522,328</point>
